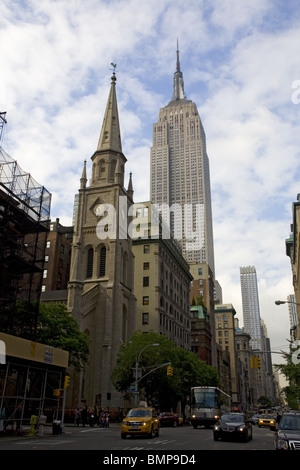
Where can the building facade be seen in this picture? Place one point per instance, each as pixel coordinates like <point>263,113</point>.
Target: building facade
<point>293,251</point>
<point>100,290</point>
<point>225,334</point>
<point>57,257</point>
<point>161,279</point>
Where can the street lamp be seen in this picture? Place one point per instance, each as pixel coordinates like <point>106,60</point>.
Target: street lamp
<point>279,302</point>
<point>137,368</point>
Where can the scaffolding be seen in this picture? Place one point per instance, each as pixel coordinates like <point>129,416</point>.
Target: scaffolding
<point>24,223</point>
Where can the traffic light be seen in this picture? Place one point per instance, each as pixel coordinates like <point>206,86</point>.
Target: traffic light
<point>257,363</point>
<point>169,370</point>
<point>67,381</point>
<point>252,362</point>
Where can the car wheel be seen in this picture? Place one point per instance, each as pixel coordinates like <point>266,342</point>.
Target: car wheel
<point>123,436</point>
<point>216,437</point>
<point>157,432</point>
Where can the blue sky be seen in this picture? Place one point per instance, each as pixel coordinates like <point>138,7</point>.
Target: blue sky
<point>239,60</point>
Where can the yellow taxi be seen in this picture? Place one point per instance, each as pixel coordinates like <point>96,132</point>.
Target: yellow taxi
<point>266,420</point>
<point>140,421</point>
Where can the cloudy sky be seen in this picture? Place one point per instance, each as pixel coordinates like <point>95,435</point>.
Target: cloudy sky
<point>241,66</point>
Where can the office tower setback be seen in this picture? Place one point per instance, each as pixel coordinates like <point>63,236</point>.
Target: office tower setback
<point>250,303</point>
<point>180,177</point>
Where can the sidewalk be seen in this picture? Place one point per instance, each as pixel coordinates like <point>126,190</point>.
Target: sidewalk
<point>47,430</point>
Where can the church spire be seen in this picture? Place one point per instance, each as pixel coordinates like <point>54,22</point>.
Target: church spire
<point>110,137</point>
<point>178,88</point>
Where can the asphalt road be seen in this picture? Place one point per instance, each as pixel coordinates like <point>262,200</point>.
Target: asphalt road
<point>179,440</point>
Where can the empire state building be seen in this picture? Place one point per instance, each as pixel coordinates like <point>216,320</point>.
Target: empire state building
<point>180,178</point>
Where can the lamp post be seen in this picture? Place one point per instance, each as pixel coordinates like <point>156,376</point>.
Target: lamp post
<point>294,333</point>
<point>137,368</point>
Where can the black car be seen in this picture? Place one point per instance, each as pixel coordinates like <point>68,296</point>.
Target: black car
<point>233,426</point>
<point>287,436</point>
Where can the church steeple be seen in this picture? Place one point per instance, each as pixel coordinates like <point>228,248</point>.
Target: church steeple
<point>110,137</point>
<point>109,160</point>
<point>178,88</point>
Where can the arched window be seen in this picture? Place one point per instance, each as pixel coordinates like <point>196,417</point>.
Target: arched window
<point>102,268</point>
<point>90,261</point>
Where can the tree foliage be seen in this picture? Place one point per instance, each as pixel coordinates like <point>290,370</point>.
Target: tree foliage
<point>159,389</point>
<point>54,326</point>
<point>291,371</point>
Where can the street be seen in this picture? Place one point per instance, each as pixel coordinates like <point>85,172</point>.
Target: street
<point>179,439</point>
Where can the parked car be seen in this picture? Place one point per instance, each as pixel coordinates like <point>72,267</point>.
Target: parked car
<point>266,420</point>
<point>233,426</point>
<point>170,419</point>
<point>140,421</point>
<point>287,436</point>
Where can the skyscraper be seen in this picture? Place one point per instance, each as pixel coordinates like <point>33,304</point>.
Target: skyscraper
<point>180,176</point>
<point>250,303</point>
<point>180,187</point>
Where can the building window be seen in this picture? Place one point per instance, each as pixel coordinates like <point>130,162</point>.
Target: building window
<point>45,274</point>
<point>146,300</point>
<point>146,266</point>
<point>102,261</point>
<point>90,261</point>
<point>145,281</point>
<point>145,318</point>
<point>48,244</point>
<point>146,248</point>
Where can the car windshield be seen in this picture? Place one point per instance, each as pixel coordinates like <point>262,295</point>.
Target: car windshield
<point>290,422</point>
<point>232,418</point>
<point>139,414</point>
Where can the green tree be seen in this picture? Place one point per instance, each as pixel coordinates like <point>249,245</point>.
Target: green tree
<point>54,327</point>
<point>159,389</point>
<point>291,371</point>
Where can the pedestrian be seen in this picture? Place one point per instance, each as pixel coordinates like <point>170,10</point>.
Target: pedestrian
<point>91,418</point>
<point>107,417</point>
<point>77,417</point>
<point>84,416</point>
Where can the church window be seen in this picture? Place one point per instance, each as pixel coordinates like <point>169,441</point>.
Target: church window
<point>101,167</point>
<point>90,261</point>
<point>102,261</point>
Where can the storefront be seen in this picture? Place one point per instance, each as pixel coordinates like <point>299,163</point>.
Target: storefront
<point>31,381</point>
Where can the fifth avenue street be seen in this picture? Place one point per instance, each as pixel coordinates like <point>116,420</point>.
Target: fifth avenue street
<point>179,439</point>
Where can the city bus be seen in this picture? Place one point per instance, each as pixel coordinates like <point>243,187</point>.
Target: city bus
<point>207,405</point>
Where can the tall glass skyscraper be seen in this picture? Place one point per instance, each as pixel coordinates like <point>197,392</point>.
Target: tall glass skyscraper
<point>250,303</point>
<point>180,178</point>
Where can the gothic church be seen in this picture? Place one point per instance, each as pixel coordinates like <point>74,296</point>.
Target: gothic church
<point>101,287</point>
